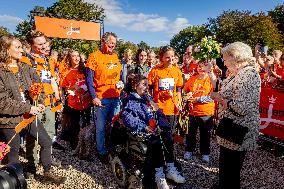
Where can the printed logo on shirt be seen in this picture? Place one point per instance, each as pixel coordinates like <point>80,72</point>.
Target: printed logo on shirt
<point>111,65</point>
<point>166,84</point>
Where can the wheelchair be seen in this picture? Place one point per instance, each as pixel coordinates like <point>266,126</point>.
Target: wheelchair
<point>128,158</point>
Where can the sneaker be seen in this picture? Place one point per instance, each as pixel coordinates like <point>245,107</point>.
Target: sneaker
<point>161,182</point>
<point>206,158</point>
<point>173,174</point>
<point>187,156</point>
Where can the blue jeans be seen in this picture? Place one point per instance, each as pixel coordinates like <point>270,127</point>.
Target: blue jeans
<point>110,107</point>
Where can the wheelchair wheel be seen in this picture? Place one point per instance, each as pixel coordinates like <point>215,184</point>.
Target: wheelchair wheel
<point>120,172</point>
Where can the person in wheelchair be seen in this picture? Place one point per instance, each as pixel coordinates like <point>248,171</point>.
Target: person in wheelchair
<point>145,119</point>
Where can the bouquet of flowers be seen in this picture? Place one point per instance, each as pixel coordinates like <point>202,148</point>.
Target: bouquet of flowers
<point>35,90</point>
<point>206,50</point>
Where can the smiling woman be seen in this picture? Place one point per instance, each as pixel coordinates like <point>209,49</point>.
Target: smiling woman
<point>238,99</point>
<point>16,80</point>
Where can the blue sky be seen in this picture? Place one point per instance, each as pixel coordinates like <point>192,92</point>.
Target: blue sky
<point>152,21</point>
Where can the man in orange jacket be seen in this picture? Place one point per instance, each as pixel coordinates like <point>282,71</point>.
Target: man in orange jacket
<point>103,81</point>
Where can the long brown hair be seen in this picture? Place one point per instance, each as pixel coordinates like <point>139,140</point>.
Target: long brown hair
<point>5,44</point>
<point>67,61</point>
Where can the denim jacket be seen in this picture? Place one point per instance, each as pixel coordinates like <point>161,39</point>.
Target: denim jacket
<point>137,113</point>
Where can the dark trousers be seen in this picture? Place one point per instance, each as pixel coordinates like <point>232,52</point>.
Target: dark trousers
<point>205,124</point>
<point>71,132</point>
<point>173,119</point>
<point>230,165</point>
<point>31,134</point>
<point>160,151</point>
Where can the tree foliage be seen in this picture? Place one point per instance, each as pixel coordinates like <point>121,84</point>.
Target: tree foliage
<point>4,31</point>
<point>143,45</point>
<point>236,25</point>
<point>277,14</point>
<point>71,9</point>
<point>188,36</point>
<point>122,45</point>
<point>76,9</point>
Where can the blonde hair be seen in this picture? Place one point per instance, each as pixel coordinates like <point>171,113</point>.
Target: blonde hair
<point>241,52</point>
<point>127,51</point>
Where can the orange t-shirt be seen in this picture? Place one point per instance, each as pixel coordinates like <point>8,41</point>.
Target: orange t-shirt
<point>280,71</point>
<point>78,96</point>
<point>200,87</point>
<point>45,73</point>
<point>165,82</point>
<point>107,70</point>
<point>191,69</point>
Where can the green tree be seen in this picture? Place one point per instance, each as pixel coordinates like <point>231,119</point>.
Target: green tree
<point>4,31</point>
<point>143,45</point>
<point>277,14</point>
<point>188,36</point>
<point>71,9</point>
<point>236,25</point>
<point>76,9</point>
<point>122,45</point>
<point>27,25</point>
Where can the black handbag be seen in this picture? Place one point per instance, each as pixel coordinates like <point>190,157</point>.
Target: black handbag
<point>231,131</point>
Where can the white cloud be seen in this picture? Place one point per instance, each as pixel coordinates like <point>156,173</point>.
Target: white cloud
<point>116,16</point>
<point>10,20</point>
<point>178,25</point>
<point>163,43</point>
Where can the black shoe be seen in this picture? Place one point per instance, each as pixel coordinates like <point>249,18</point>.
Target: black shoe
<point>57,146</point>
<point>103,158</point>
<point>29,171</point>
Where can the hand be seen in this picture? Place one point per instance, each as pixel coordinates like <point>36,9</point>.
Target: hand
<point>120,85</point>
<point>41,107</point>
<point>97,102</point>
<point>208,67</point>
<point>35,110</point>
<point>154,105</point>
<point>149,130</point>
<point>192,99</point>
<point>216,96</point>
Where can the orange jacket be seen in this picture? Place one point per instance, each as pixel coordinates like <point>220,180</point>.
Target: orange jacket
<point>45,72</point>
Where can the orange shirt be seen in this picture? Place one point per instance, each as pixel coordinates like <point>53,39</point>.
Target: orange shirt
<point>107,70</point>
<point>45,73</point>
<point>165,82</point>
<point>78,96</point>
<point>200,87</point>
<point>191,69</point>
<point>280,71</point>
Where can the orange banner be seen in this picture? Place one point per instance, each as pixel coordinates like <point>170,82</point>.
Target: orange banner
<point>63,28</point>
<point>272,113</point>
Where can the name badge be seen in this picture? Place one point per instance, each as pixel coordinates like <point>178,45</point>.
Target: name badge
<point>45,76</point>
<point>166,84</point>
